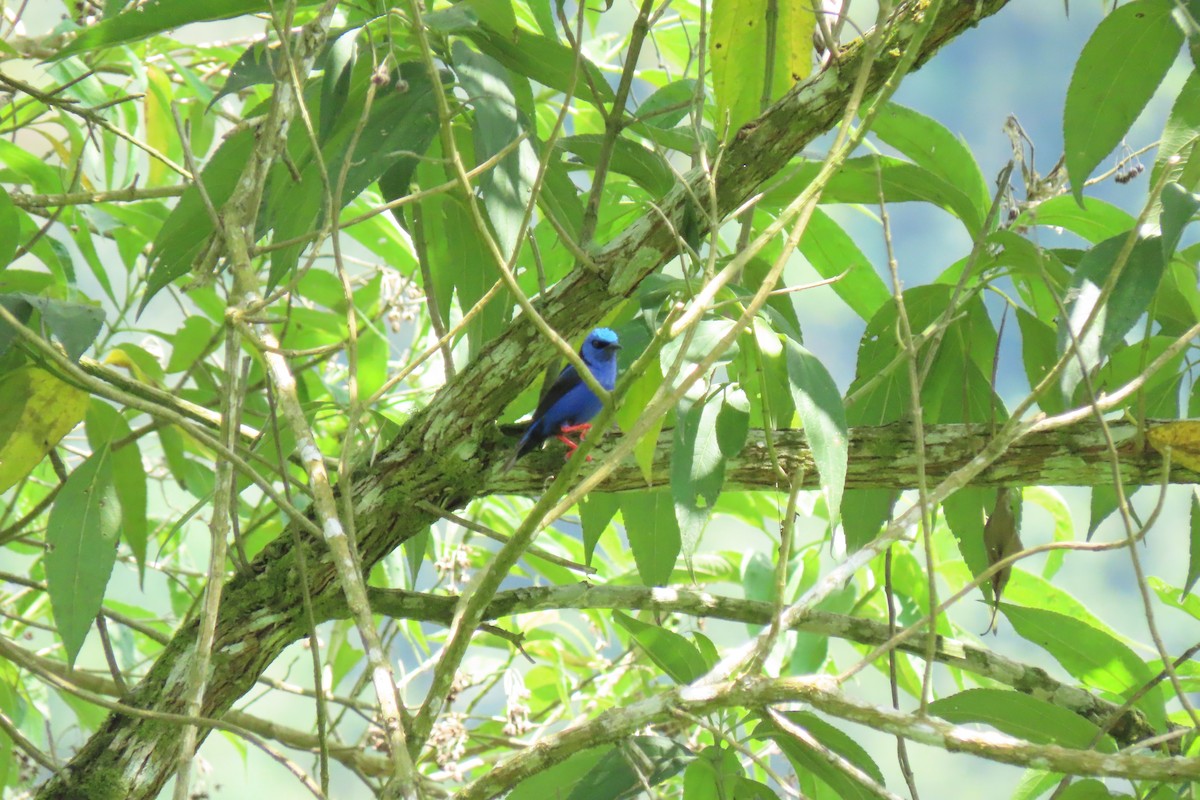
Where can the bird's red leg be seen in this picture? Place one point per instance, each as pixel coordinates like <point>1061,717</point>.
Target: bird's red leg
<point>572,446</point>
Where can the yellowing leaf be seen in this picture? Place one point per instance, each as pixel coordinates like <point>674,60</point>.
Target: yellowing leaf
<point>36,411</point>
<point>1182,437</point>
<point>738,49</point>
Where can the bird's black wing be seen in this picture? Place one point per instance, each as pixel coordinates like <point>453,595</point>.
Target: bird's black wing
<point>567,380</point>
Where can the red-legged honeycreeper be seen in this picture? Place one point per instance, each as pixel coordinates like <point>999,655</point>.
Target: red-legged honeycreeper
<point>569,404</point>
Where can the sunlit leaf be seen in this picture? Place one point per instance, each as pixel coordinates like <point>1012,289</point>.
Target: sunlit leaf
<point>653,533</point>
<point>36,411</point>
<point>673,654</point>
<point>1020,715</point>
<point>738,49</point>
<point>697,468</point>
<point>156,16</point>
<point>1121,65</point>
<point>1140,274</point>
<point>819,404</point>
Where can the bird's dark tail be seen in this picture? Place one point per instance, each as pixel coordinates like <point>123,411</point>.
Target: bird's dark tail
<point>529,442</point>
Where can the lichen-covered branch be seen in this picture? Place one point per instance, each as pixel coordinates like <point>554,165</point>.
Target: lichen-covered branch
<point>884,457</point>
<point>820,692</point>
<point>1131,725</point>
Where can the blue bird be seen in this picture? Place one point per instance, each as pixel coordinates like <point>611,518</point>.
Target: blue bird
<point>569,404</point>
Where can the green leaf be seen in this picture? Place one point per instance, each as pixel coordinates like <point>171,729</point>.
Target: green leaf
<point>819,404</point>
<point>1120,67</point>
<point>254,67</point>
<point>557,779</point>
<point>1095,657</point>
<point>1099,221</point>
<point>1039,353</point>
<point>158,16</point>
<point>1091,789</point>
<point>804,759</point>
<point>831,252</point>
<point>1064,525</point>
<point>398,130</point>
<point>596,511</point>
<point>414,554</point>
<point>713,775</point>
<point>1177,147</point>
<point>929,144</point>
<point>1178,209</point>
<point>75,325</point>
<point>81,542</point>
<point>1193,572</point>
<point>965,511</point>
<point>667,106</point>
<point>864,512</point>
<point>733,421</point>
<point>738,53</point>
<point>644,166</point>
<point>636,762</point>
<point>10,228</point>
<point>191,341</point>
<point>106,427</point>
<point>1134,289</point>
<point>1169,595</point>
<point>183,234</point>
<point>861,179</point>
<point>507,187</point>
<point>630,411</point>
<point>339,60</point>
<point>653,534</point>
<point>544,60</point>
<point>672,653</point>
<point>1020,715</point>
<point>697,468</point>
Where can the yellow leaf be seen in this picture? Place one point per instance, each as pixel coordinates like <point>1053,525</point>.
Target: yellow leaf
<point>1182,437</point>
<point>738,51</point>
<point>36,411</point>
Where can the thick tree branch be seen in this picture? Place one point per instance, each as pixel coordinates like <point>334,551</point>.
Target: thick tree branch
<point>885,457</point>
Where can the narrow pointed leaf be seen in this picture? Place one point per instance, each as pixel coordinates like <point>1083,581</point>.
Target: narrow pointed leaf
<point>673,654</point>
<point>653,533</point>
<point>819,404</point>
<point>81,542</point>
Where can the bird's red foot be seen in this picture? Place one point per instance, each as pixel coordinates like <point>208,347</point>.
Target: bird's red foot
<point>563,436</point>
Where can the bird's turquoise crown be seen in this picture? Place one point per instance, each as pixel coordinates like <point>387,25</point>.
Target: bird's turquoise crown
<point>604,336</point>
